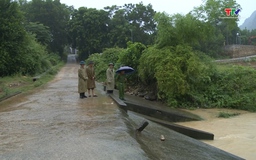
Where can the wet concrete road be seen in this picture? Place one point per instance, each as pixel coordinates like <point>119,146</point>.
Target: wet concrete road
<point>53,123</point>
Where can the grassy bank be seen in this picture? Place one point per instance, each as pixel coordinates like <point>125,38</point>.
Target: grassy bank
<point>20,84</point>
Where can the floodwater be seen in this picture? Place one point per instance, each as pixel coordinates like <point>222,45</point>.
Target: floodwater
<point>235,135</point>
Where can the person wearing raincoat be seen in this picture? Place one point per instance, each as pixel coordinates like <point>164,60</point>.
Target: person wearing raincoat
<point>82,80</point>
<point>91,79</point>
<point>120,79</point>
<point>110,73</point>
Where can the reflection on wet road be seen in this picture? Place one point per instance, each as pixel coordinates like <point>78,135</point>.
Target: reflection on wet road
<point>54,123</point>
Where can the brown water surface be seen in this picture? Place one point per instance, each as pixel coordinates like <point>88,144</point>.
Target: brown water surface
<point>236,135</point>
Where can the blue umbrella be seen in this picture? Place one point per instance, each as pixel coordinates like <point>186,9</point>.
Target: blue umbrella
<point>127,69</point>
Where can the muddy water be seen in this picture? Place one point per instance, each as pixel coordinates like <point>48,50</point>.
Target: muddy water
<point>236,135</point>
<point>53,123</point>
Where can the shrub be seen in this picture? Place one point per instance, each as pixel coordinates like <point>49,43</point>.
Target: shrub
<point>181,74</point>
<point>111,55</point>
<point>227,115</point>
<point>148,63</point>
<point>234,87</point>
<point>101,61</point>
<point>130,57</point>
<point>36,59</point>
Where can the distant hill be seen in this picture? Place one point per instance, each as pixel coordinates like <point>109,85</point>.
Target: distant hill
<point>249,23</point>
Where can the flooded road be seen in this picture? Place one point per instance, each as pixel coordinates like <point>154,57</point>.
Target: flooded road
<point>53,123</point>
<point>235,135</point>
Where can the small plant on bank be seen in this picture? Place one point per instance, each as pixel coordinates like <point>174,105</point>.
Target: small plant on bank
<point>227,115</point>
<point>5,90</point>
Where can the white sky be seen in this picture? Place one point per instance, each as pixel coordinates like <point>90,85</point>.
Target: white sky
<point>169,6</point>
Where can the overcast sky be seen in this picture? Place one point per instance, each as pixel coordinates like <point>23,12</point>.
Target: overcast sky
<point>169,6</point>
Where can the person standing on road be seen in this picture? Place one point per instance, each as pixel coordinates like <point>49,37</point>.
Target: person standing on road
<point>91,79</point>
<point>120,79</point>
<point>82,80</point>
<point>110,73</point>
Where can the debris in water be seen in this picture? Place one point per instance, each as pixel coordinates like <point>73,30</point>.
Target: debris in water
<point>142,126</point>
<point>162,138</point>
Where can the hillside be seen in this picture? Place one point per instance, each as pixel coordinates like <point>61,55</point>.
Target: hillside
<point>249,23</point>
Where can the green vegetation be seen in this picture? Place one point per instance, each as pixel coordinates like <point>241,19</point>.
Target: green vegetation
<point>184,77</point>
<point>227,115</point>
<point>172,54</point>
<point>92,30</point>
<point>25,46</point>
<point>101,61</point>
<point>178,66</point>
<point>131,56</point>
<point>10,85</point>
<point>25,43</point>
<point>238,84</point>
<point>48,19</point>
<point>178,72</point>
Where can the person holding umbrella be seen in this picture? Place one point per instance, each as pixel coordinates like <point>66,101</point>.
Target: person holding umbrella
<point>91,79</point>
<point>110,73</point>
<point>120,79</point>
<point>82,80</point>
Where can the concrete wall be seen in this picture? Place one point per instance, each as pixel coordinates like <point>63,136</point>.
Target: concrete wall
<point>235,51</point>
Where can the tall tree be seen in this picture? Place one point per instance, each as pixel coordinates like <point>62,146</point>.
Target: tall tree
<point>179,29</point>
<point>12,36</point>
<point>135,22</point>
<point>88,30</point>
<point>42,32</point>
<point>119,32</point>
<point>141,19</point>
<point>213,12</point>
<point>53,14</point>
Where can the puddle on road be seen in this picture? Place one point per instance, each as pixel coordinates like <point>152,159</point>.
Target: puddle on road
<point>236,134</point>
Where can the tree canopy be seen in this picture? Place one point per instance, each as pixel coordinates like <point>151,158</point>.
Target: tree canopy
<point>52,14</point>
<point>12,36</point>
<point>20,51</point>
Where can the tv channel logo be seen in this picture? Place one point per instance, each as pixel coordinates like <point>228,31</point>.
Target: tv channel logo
<point>231,13</point>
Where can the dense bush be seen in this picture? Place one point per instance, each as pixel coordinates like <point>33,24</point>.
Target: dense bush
<point>130,57</point>
<point>185,77</point>
<point>178,72</point>
<point>233,87</point>
<point>101,61</point>
<point>188,78</point>
<point>99,65</point>
<point>111,55</point>
<point>148,63</point>
<point>35,58</point>
<point>33,54</point>
<point>20,52</point>
<point>12,35</point>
